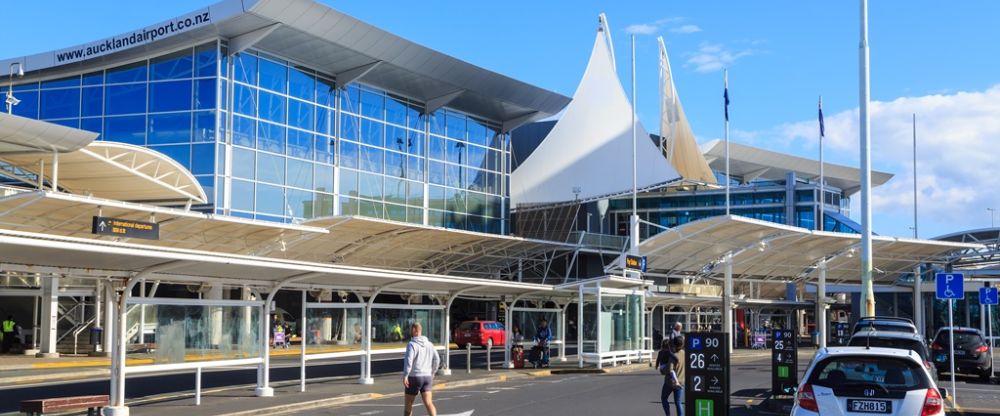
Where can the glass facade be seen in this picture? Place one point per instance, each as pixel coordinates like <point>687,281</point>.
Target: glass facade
<point>273,140</point>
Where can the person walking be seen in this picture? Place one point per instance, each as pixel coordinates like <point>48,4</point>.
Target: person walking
<point>665,365</point>
<point>677,346</point>
<point>8,328</point>
<point>676,331</point>
<point>420,363</point>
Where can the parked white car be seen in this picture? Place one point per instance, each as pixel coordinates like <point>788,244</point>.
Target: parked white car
<point>847,381</point>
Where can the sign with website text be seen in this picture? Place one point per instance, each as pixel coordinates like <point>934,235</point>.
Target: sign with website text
<point>706,374</point>
<point>119,227</point>
<point>784,363</point>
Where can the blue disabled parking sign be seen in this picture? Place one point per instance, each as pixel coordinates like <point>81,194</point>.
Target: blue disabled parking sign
<point>950,285</point>
<point>987,296</point>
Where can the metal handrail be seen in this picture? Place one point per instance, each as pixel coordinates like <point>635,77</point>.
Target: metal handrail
<point>76,333</point>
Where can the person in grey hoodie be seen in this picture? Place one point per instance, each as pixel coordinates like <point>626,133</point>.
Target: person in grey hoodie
<point>420,364</point>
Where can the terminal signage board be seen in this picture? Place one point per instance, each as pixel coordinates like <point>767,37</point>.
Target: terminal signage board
<point>706,374</point>
<point>637,263</point>
<point>119,227</point>
<point>784,363</point>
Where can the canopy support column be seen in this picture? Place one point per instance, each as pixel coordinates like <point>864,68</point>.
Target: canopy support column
<point>918,300</point>
<point>821,318</point>
<point>597,324</point>
<point>50,317</point>
<point>446,368</point>
<point>562,333</point>
<point>727,303</point>
<point>508,318</point>
<point>264,369</point>
<point>579,326</point>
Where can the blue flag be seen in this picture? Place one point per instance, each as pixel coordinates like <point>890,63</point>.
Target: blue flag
<point>725,95</point>
<point>822,129</point>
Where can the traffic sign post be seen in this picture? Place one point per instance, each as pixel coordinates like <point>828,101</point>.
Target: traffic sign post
<point>706,376</point>
<point>988,297</point>
<point>950,286</point>
<point>784,363</point>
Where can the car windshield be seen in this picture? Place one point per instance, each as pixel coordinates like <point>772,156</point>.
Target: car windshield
<point>884,326</point>
<point>899,343</point>
<point>469,325</point>
<point>961,338</point>
<point>892,374</point>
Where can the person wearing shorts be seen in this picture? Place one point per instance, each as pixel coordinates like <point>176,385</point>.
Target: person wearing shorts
<point>420,363</point>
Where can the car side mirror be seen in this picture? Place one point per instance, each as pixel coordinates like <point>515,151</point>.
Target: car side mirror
<point>943,392</point>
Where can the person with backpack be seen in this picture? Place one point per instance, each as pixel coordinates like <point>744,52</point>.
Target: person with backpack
<point>670,363</point>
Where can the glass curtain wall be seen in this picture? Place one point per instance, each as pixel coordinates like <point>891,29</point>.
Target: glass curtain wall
<point>334,329</point>
<point>182,333</point>
<point>392,326</point>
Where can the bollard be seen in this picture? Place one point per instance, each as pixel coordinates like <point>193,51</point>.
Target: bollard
<point>468,358</point>
<point>197,387</point>
<point>489,357</point>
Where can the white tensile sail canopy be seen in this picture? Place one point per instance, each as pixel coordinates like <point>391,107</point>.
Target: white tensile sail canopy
<point>676,138</point>
<point>588,153</point>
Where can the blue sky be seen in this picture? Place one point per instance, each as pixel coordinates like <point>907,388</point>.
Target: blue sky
<point>936,59</point>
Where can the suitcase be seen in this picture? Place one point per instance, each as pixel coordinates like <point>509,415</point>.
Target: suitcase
<point>517,356</point>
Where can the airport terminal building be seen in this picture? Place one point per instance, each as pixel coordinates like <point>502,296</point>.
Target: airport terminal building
<point>184,186</point>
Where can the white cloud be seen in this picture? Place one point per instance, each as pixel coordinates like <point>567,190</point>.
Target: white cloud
<point>957,157</point>
<point>712,57</point>
<point>641,29</point>
<point>686,29</point>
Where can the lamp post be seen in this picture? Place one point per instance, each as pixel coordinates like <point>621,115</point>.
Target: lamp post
<point>993,213</point>
<point>11,101</point>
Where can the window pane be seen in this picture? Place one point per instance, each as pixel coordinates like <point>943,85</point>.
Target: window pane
<point>456,151</point>
<point>414,119</point>
<point>395,110</point>
<point>395,212</point>
<point>436,173</point>
<point>456,126</point>
<point>180,153</point>
<point>29,104</point>
<point>172,66</point>
<point>95,125</point>
<point>437,148</point>
<point>300,203</point>
<point>204,94</point>
<point>61,103</point>
<point>300,144</point>
<point>127,73</point>
<point>242,195</point>
<point>395,190</point>
<point>415,193</point>
<point>273,75</point>
<point>270,200</point>
<point>243,163</point>
<point>348,154</point>
<point>205,58</point>
<point>370,186</point>
<point>68,122</point>
<point>244,131</point>
<point>371,133</point>
<point>93,78</point>
<point>131,129</point>
<point>301,83</point>
<point>323,178</point>
<point>204,126</point>
<point>300,114</point>
<point>348,182</point>
<point>395,138</point>
<point>271,137</point>
<point>324,149</point>
<point>371,159</point>
<point>436,122</point>
<point>436,197</point>
<point>454,177</point>
<point>169,128</point>
<point>348,206</point>
<point>245,100</point>
<point>245,68</point>
<point>170,96</point>
<point>350,99</point>
<point>323,206</point>
<point>203,159</point>
<point>326,92</point>
<point>325,119</point>
<point>125,99</point>
<point>270,168</point>
<point>477,132</point>
<point>415,168</point>
<point>300,174</point>
<point>272,107</point>
<point>415,143</point>
<point>395,164</point>
<point>373,104</point>
<point>477,156</point>
<point>73,81</point>
<point>93,101</point>
<point>349,126</point>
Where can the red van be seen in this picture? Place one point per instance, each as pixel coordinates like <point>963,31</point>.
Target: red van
<point>479,333</point>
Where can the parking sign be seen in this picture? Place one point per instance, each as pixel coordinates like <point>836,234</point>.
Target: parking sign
<point>950,285</point>
<point>988,296</point>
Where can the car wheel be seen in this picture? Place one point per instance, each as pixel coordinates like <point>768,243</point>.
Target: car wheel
<point>986,375</point>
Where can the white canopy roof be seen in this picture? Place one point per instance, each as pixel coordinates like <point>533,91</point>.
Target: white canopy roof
<point>22,134</point>
<point>588,153</point>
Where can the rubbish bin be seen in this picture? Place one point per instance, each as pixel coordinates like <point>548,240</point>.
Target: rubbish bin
<point>96,335</point>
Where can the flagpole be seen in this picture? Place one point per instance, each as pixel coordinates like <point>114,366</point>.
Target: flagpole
<point>821,224</point>
<point>867,293</point>
<point>915,235</point>
<point>634,239</point>
<point>725,78</point>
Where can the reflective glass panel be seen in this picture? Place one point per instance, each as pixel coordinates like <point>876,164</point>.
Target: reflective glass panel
<point>301,83</point>
<point>204,126</point>
<point>124,99</point>
<point>242,195</point>
<point>244,131</point>
<point>130,129</point>
<point>372,104</point>
<point>349,127</point>
<point>270,168</point>
<point>92,101</point>
<point>204,94</point>
<point>300,203</point>
<point>272,107</point>
<point>170,96</point>
<point>370,186</point>
<point>324,149</point>
<point>63,103</point>
<point>245,68</point>
<point>348,154</point>
<point>245,100</point>
<point>169,128</point>
<point>300,144</point>
<point>172,66</point>
<point>270,199</point>
<point>324,178</point>
<point>334,329</point>
<point>371,133</point>
<point>73,81</point>
<point>391,326</point>
<point>300,174</point>
<point>350,99</point>
<point>371,159</point>
<point>348,182</point>
<point>180,153</point>
<point>244,161</point>
<point>395,110</point>
<point>185,333</point>
<point>271,137</point>
<point>205,59</point>
<point>273,75</point>
<point>134,72</point>
<point>326,92</point>
<point>203,159</point>
<point>300,114</point>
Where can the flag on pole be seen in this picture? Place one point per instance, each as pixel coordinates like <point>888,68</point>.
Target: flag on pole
<point>725,94</point>
<point>822,129</point>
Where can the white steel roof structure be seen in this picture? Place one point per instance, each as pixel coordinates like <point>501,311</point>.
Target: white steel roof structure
<point>117,171</point>
<point>20,134</point>
<point>765,250</point>
<point>750,163</point>
<point>588,153</point>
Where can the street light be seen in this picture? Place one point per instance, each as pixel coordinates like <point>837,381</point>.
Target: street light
<point>993,212</point>
<point>11,101</point>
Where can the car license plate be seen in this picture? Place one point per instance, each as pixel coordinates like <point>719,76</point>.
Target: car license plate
<point>959,352</point>
<point>941,358</point>
<point>869,406</point>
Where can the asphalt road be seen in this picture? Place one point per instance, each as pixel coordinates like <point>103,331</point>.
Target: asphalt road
<point>635,393</point>
<point>282,369</point>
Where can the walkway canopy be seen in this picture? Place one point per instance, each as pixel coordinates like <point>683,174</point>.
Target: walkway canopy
<point>769,251</point>
<point>20,134</point>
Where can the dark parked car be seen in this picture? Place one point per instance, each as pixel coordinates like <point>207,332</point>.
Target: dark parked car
<point>884,323</point>
<point>972,353</point>
<point>898,340</point>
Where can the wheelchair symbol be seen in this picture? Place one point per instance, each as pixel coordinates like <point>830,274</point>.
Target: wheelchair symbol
<point>948,293</point>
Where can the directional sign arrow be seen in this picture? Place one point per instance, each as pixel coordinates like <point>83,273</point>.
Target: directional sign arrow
<point>102,226</point>
<point>715,380</point>
<point>715,358</point>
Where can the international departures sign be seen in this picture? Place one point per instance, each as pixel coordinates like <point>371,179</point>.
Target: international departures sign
<point>119,227</point>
